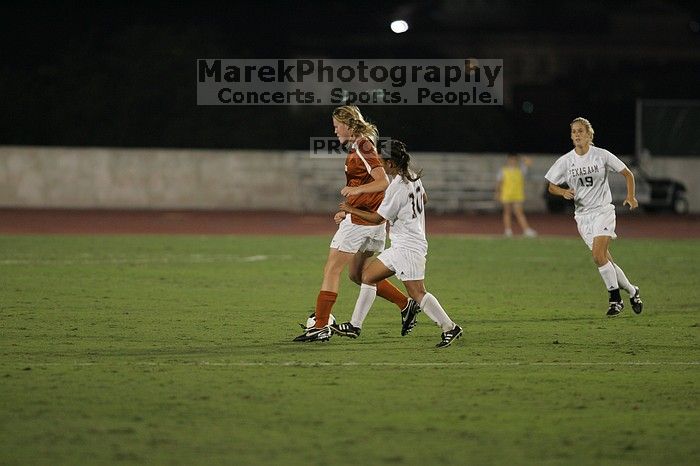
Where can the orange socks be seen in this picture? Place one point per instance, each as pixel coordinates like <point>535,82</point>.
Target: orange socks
<point>326,300</point>
<point>388,291</point>
<point>324,304</point>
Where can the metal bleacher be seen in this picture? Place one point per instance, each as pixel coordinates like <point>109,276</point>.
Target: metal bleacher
<point>454,182</point>
<point>458,183</point>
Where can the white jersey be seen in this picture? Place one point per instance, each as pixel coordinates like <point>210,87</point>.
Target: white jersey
<point>403,208</point>
<point>587,175</point>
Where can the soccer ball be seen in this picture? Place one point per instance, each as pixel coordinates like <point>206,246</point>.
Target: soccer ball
<point>311,321</point>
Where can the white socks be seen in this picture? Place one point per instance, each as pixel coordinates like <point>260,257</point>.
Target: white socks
<point>609,275</point>
<point>623,281</point>
<point>429,305</point>
<point>364,302</point>
<point>432,309</point>
<point>614,277</point>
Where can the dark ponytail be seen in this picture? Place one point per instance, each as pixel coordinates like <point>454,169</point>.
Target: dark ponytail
<point>402,159</point>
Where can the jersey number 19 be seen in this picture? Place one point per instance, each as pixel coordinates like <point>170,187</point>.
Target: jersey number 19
<point>588,181</point>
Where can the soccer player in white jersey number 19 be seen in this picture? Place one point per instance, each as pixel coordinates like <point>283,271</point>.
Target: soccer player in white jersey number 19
<point>585,170</point>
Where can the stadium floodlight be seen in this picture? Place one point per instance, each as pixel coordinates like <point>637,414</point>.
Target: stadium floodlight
<point>399,26</point>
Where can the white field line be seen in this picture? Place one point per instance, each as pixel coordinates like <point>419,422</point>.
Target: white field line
<point>189,259</point>
<point>88,259</point>
<point>373,364</point>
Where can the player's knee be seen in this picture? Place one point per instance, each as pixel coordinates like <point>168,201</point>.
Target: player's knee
<point>368,279</point>
<point>600,259</point>
<point>327,270</point>
<point>355,276</point>
<point>332,269</point>
<point>416,295</point>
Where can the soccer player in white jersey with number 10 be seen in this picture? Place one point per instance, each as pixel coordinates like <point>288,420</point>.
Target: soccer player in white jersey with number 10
<point>585,170</point>
<point>402,207</point>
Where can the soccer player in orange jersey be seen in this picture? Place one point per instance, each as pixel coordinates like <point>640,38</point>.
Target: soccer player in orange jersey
<point>356,239</point>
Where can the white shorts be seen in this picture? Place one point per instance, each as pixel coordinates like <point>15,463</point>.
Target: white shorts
<point>406,264</point>
<point>599,223</point>
<point>359,238</point>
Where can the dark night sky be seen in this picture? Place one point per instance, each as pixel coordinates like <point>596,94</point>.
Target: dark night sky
<point>109,75</point>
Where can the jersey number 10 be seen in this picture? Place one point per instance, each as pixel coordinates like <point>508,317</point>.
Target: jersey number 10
<point>416,202</point>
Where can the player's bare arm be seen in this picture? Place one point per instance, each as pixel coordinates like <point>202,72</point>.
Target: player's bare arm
<point>339,217</point>
<point>631,200</point>
<point>559,191</point>
<point>371,217</point>
<point>379,184</point>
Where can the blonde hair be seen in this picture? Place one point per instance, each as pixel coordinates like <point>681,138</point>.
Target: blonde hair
<point>586,124</point>
<point>351,116</point>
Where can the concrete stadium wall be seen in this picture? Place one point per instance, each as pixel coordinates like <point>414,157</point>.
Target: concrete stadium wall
<point>112,178</point>
<point>145,179</point>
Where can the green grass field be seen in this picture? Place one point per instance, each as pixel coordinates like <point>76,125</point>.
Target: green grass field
<point>177,350</point>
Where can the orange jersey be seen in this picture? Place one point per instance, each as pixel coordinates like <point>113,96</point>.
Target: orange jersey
<point>361,160</point>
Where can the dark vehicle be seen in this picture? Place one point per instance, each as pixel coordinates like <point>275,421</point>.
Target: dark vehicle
<point>653,194</point>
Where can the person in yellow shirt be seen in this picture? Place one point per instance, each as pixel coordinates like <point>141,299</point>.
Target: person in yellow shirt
<point>510,191</point>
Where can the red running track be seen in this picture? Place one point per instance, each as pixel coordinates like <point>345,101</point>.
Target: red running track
<point>59,221</point>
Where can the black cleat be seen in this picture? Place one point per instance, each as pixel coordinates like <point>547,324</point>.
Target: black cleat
<point>636,301</point>
<point>346,329</point>
<point>615,308</point>
<point>315,334</point>
<point>409,315</point>
<point>449,337</point>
